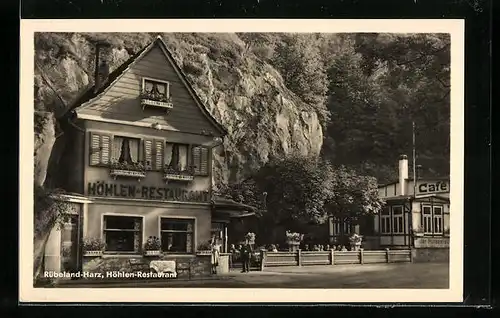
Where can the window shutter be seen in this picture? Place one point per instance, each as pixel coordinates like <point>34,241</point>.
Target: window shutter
<point>158,154</point>
<point>148,153</point>
<point>105,149</point>
<point>95,149</point>
<point>196,158</point>
<point>204,161</point>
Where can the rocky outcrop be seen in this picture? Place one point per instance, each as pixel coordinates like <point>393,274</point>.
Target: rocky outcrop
<point>244,93</point>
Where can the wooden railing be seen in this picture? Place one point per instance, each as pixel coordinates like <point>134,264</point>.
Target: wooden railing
<point>304,258</point>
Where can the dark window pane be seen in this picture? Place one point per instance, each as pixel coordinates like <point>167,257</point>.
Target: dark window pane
<point>397,210</point>
<point>174,225</point>
<point>427,210</point>
<point>120,241</point>
<point>176,242</point>
<point>438,210</point>
<point>119,222</point>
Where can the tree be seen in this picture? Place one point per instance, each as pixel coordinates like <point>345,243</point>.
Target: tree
<point>298,59</point>
<point>379,84</point>
<point>297,188</point>
<point>352,195</point>
<point>49,213</point>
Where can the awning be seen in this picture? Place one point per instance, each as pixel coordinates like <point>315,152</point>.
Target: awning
<point>227,208</point>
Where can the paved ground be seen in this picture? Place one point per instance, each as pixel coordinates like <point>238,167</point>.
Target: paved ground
<point>415,275</point>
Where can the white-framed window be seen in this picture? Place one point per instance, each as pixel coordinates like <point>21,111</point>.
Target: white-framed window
<point>155,89</point>
<point>122,234</point>
<point>437,216</point>
<point>427,219</point>
<point>397,220</point>
<point>125,149</point>
<point>385,221</point>
<point>177,235</point>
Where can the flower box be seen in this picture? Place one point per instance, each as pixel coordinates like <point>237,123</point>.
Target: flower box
<point>93,247</point>
<point>127,173</point>
<point>92,253</point>
<point>156,100</point>
<point>178,177</point>
<point>152,247</point>
<point>152,253</point>
<point>156,103</point>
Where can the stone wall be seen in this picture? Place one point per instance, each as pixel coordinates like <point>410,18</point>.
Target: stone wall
<point>437,255</point>
<point>200,264</point>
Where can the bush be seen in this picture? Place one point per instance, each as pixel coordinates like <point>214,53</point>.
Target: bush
<point>93,244</point>
<point>152,244</point>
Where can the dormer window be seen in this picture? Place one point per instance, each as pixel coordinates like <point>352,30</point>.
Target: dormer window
<point>156,93</point>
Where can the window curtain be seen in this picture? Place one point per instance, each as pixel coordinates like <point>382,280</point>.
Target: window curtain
<point>168,154</point>
<point>125,153</point>
<point>161,89</point>
<point>134,149</point>
<point>174,161</point>
<point>117,148</point>
<point>183,151</point>
<point>148,87</point>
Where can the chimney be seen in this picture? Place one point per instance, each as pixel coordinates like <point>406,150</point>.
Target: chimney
<point>101,64</point>
<point>403,173</point>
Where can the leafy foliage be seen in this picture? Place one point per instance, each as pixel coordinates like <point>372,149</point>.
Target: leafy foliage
<point>152,244</point>
<point>299,61</point>
<point>353,195</point>
<point>49,211</point>
<point>379,84</point>
<point>93,244</point>
<point>296,188</point>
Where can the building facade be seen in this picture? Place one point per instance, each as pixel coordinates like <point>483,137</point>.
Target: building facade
<point>416,215</point>
<point>138,161</point>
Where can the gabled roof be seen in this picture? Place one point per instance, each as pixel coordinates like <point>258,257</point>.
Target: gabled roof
<point>90,95</point>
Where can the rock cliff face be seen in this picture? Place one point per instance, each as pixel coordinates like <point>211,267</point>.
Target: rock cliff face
<point>244,93</point>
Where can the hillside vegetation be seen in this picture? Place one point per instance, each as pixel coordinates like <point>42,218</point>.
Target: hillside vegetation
<point>349,98</point>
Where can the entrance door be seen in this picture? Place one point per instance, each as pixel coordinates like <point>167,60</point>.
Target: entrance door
<point>219,231</point>
<point>69,245</point>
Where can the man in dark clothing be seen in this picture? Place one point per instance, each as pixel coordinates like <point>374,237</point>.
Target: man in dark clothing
<point>246,254</point>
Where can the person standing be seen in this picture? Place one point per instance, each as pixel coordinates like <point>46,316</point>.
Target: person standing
<point>215,255</point>
<point>246,254</point>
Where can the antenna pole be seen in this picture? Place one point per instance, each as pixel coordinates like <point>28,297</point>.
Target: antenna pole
<point>410,218</point>
<point>414,162</point>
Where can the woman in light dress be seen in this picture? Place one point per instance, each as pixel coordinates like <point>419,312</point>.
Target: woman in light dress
<point>215,254</point>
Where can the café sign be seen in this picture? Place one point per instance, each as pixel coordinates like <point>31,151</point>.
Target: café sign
<point>433,187</point>
<point>106,189</point>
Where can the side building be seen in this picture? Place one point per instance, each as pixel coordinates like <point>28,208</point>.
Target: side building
<point>416,215</point>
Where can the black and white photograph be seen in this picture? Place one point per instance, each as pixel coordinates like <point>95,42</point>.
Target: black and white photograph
<point>242,160</point>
